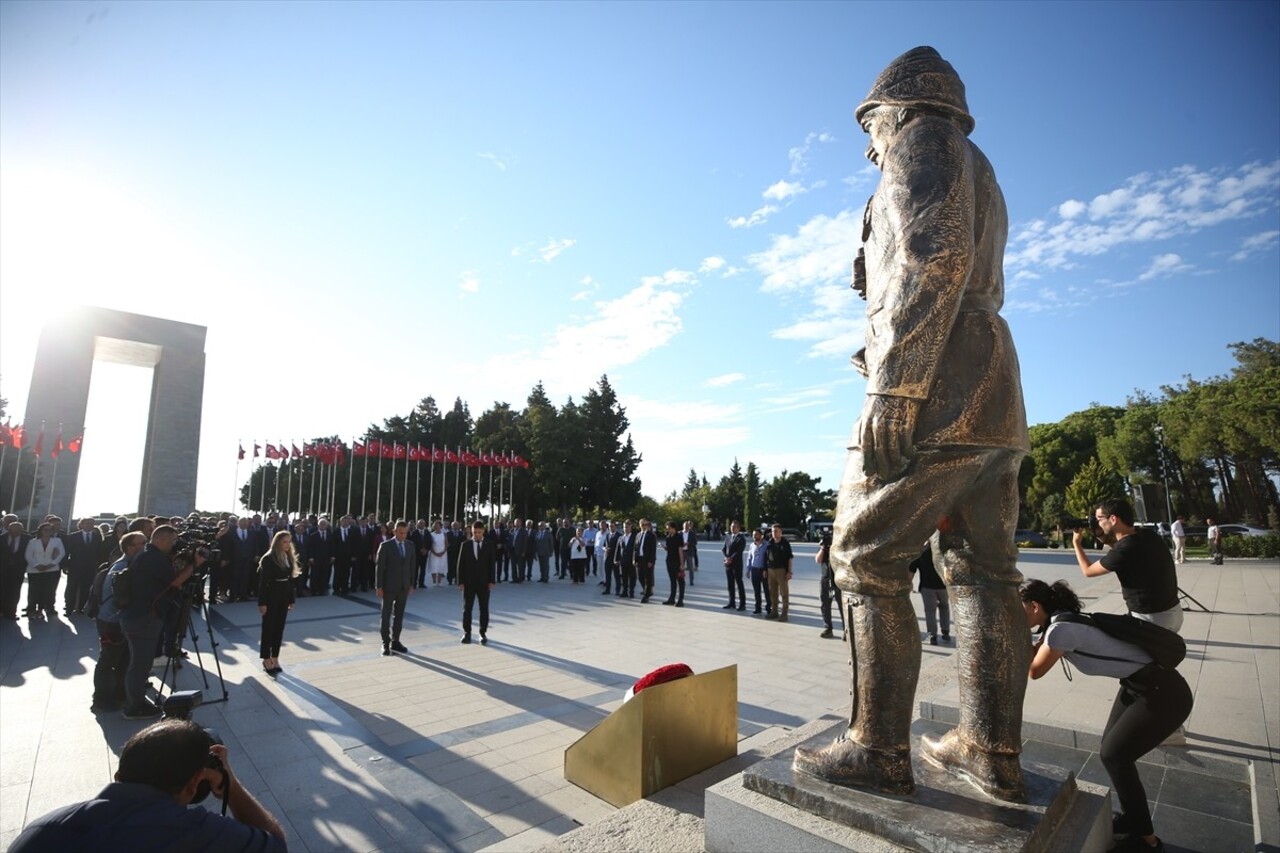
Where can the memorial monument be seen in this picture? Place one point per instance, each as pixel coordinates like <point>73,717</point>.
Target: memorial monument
<point>936,453</point>
<point>68,347</point>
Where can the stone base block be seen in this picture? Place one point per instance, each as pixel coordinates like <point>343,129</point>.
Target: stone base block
<point>769,807</point>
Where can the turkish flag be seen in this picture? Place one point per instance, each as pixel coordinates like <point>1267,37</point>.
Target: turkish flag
<point>15,435</point>
<point>357,449</point>
<point>296,452</point>
<point>437,454</point>
<point>57,446</point>
<point>241,456</point>
<point>39,448</point>
<point>257,450</point>
<point>272,453</point>
<point>283,449</point>
<point>401,451</point>
<point>520,461</point>
<point>450,456</point>
<point>75,443</point>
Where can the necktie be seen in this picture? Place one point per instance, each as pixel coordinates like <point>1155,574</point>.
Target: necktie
<point>477,550</point>
<point>242,535</point>
<point>401,544</point>
<point>86,537</point>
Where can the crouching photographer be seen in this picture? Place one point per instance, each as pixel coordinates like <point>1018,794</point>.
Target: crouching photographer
<point>163,769</point>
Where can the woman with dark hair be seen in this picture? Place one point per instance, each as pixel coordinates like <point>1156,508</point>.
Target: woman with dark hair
<point>577,557</point>
<point>1153,700</point>
<point>276,595</point>
<point>674,545</point>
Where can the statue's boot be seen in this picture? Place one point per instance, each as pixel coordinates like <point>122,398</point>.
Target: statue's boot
<point>993,655</point>
<point>875,752</point>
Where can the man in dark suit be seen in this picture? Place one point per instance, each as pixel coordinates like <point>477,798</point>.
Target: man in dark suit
<point>321,551</point>
<point>544,546</point>
<point>625,556</point>
<point>496,536</point>
<point>87,553</point>
<point>395,567</point>
<point>518,545</point>
<point>455,539</point>
<point>348,556</point>
<point>300,546</point>
<point>612,577</point>
<point>420,536</point>
<point>239,559</point>
<point>13,567</point>
<point>476,566</point>
<point>646,558</point>
<point>734,546</point>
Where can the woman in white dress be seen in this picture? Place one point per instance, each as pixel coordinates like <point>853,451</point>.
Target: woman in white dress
<point>437,557</point>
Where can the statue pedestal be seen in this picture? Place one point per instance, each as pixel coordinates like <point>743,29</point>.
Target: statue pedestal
<point>769,807</point>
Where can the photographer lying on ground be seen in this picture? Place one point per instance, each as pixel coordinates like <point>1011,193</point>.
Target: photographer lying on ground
<point>1140,559</point>
<point>1152,703</point>
<point>163,768</point>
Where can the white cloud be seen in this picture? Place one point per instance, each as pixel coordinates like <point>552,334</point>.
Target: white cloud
<point>492,158</point>
<point>711,264</point>
<point>799,155</point>
<point>821,252</point>
<point>1149,207</point>
<point>724,379</point>
<point>589,287</point>
<point>1162,265</point>
<point>554,247</point>
<point>468,282</point>
<point>1071,208</point>
<point>862,178</point>
<point>670,278</point>
<point>680,413</point>
<point>1256,244</point>
<point>783,190</point>
<point>757,217</point>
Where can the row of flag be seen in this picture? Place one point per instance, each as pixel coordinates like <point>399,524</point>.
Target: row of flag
<point>15,437</point>
<point>335,453</point>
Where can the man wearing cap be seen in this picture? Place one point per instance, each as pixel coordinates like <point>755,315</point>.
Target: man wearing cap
<point>938,447</point>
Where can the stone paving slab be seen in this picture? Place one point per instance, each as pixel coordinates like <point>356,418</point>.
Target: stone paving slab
<point>457,747</point>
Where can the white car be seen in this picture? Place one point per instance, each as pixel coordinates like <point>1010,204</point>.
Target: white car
<point>1241,530</point>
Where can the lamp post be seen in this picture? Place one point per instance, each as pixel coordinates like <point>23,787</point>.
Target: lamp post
<point>1164,473</point>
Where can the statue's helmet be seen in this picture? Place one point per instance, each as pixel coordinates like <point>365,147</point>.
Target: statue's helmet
<point>920,78</point>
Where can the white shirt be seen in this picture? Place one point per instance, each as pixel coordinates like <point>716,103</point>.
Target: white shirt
<point>39,554</point>
<point>1178,530</point>
<point>1213,532</point>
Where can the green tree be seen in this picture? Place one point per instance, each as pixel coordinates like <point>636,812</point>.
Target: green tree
<point>726,498</point>
<point>751,497</point>
<point>609,460</point>
<point>790,498</point>
<point>1092,483</point>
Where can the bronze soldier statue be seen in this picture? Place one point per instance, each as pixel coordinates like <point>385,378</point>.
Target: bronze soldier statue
<point>937,450</point>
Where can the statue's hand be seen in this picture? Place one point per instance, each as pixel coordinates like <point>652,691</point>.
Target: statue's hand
<point>888,430</point>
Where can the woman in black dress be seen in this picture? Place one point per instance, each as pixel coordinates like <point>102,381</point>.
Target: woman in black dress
<point>276,573</point>
<point>675,563</point>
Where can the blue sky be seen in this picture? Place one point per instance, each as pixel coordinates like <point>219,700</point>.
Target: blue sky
<point>376,202</point>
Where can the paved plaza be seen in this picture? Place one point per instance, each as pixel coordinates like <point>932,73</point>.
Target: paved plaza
<point>460,747</point>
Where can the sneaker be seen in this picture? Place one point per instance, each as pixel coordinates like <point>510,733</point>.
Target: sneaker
<point>466,639</point>
<point>141,712</point>
<point>827,633</point>
<point>397,646</point>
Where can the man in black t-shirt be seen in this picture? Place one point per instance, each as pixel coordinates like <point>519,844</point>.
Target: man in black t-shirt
<point>1140,560</point>
<point>778,559</point>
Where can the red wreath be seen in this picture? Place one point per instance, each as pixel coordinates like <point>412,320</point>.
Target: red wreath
<point>662,675</point>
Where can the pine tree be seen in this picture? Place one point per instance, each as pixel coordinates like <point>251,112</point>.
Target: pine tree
<point>750,496</point>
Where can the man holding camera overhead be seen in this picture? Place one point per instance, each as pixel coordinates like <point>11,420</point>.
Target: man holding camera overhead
<point>1140,560</point>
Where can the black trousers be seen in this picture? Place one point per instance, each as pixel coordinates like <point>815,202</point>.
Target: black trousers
<point>612,574</point>
<point>393,603</point>
<point>544,567</point>
<point>646,578</point>
<point>76,594</point>
<point>273,627</point>
<point>1147,710</point>
<point>734,578</point>
<point>42,591</point>
<point>760,584</point>
<point>320,573</point>
<point>11,590</point>
<point>828,590</point>
<point>677,583</point>
<point>113,662</point>
<point>470,594</point>
<point>343,574</point>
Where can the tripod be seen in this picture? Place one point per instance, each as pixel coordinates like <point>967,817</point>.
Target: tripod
<point>193,598</point>
<point>1184,597</point>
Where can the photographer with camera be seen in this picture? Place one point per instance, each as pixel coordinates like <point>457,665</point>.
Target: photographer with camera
<point>1139,558</point>
<point>113,653</point>
<point>152,576</point>
<point>163,768</point>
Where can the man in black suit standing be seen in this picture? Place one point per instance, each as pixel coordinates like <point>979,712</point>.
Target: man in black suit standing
<point>321,550</point>
<point>13,567</point>
<point>395,568</point>
<point>454,539</point>
<point>476,565</point>
<point>625,558</point>
<point>519,546</point>
<point>87,552</point>
<point>612,577</point>
<point>646,558</point>
<point>348,557</point>
<point>420,536</point>
<point>734,546</point>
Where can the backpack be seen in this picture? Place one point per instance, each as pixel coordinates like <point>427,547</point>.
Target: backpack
<point>122,587</point>
<point>94,605</point>
<point>1166,648</point>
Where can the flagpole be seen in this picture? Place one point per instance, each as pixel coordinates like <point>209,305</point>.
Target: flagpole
<point>405,499</point>
<point>288,489</point>
<point>333,480</point>
<point>276,499</point>
<point>431,485</point>
<point>312,503</point>
<point>417,486</point>
<point>479,483</point>
<point>391,499</point>
<point>53,480</point>
<point>377,497</point>
<point>491,505</point>
<point>35,474</point>
<point>235,485</point>
<point>444,473</point>
<point>302,470</point>
<point>456,482</point>
<point>351,468</point>
<point>364,479</point>
<point>17,465</point>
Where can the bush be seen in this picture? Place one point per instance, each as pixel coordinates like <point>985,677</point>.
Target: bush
<point>1251,546</point>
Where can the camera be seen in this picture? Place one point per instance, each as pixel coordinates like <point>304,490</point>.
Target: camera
<point>178,706</point>
<point>1071,522</point>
